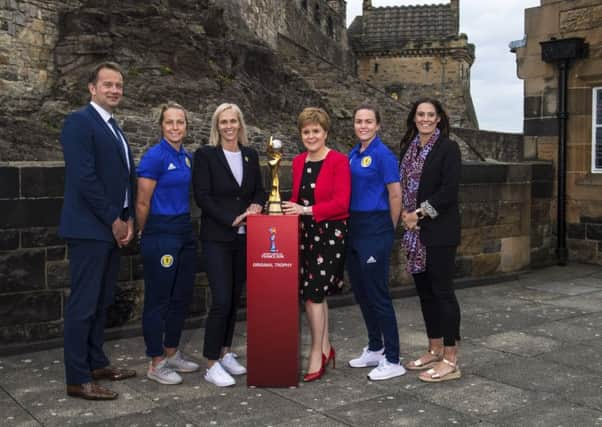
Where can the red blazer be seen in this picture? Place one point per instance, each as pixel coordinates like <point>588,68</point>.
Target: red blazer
<point>333,186</point>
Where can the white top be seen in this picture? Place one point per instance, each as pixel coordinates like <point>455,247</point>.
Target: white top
<point>234,159</point>
<point>106,116</point>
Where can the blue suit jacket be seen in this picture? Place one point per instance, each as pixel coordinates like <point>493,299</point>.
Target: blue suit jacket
<point>96,177</point>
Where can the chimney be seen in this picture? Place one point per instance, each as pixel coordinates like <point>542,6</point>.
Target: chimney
<point>366,5</point>
<point>455,13</point>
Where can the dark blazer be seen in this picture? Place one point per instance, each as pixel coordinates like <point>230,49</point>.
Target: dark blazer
<point>218,194</point>
<point>96,177</point>
<point>439,184</point>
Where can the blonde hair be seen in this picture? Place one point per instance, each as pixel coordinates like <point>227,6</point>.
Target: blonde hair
<point>313,115</point>
<point>214,136</point>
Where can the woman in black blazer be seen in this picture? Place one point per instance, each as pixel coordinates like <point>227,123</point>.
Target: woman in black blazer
<point>430,177</point>
<point>227,187</point>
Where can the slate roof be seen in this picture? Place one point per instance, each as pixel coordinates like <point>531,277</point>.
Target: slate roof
<point>393,26</point>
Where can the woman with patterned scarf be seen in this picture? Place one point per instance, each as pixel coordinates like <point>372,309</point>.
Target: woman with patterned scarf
<point>430,176</point>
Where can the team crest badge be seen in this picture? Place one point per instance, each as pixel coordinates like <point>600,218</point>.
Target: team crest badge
<point>366,161</point>
<point>166,261</point>
<point>187,162</point>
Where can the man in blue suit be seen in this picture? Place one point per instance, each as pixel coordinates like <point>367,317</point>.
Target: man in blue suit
<point>97,220</point>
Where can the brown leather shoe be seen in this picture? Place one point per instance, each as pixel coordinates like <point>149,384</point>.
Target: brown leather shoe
<point>113,374</point>
<point>90,391</point>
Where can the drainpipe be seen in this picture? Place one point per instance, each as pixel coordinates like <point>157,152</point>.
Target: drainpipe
<point>561,52</point>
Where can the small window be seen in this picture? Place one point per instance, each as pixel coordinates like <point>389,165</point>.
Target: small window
<point>597,130</point>
<point>304,4</point>
<point>375,67</point>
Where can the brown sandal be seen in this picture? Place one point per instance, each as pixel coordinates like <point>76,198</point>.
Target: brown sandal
<point>419,365</point>
<point>436,377</point>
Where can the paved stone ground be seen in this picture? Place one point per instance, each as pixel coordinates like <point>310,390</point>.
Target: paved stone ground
<point>530,357</point>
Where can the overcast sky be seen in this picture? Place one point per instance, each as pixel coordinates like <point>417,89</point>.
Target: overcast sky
<point>497,92</point>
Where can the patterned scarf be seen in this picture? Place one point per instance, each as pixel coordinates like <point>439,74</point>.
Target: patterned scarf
<point>410,171</point>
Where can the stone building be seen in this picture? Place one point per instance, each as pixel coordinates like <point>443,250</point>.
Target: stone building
<point>573,30</point>
<point>413,51</point>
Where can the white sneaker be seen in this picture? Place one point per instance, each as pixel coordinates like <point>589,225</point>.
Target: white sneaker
<point>230,364</point>
<point>368,358</point>
<point>163,374</point>
<point>218,376</point>
<point>179,363</point>
<point>386,370</point>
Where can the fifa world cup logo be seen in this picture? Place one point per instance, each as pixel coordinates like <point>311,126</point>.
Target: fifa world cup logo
<point>272,231</point>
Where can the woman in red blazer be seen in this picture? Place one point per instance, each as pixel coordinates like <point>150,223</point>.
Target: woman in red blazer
<point>321,194</point>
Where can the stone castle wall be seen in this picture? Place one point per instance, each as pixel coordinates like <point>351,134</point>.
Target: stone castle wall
<point>505,228</point>
<point>563,19</point>
<point>317,25</point>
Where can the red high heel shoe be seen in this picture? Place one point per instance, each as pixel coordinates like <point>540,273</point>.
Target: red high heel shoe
<point>331,356</point>
<point>312,376</point>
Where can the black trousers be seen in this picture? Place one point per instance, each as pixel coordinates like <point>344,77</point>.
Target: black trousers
<point>226,270</point>
<point>440,307</point>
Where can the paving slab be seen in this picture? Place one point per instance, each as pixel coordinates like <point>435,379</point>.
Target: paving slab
<point>13,414</point>
<point>589,303</point>
<point>399,409</point>
<point>466,396</point>
<point>552,413</point>
<point>520,343</point>
<point>577,355</point>
<point>568,287</point>
<point>241,407</point>
<point>577,385</point>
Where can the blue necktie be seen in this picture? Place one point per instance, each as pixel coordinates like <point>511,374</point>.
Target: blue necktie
<point>118,133</point>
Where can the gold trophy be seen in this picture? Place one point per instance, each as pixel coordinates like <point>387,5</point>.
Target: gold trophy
<point>274,153</point>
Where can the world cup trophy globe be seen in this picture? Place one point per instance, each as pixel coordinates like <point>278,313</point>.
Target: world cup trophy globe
<point>274,154</point>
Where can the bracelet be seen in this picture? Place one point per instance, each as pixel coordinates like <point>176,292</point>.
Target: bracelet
<point>305,210</point>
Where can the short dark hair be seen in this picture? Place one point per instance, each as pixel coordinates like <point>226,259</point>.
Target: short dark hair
<point>369,107</point>
<point>93,76</point>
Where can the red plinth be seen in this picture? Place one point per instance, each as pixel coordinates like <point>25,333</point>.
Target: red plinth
<point>272,301</point>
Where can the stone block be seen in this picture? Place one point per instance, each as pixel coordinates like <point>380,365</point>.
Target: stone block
<point>58,275</point>
<point>540,127</point>
<point>579,101</point>
<point>199,304</point>
<point>542,171</point>
<point>582,250</point>
<point>57,253</point>
<point>485,264</point>
<point>9,240</point>
<point>137,267</point>
<point>593,231</point>
<point>31,307</point>
<point>470,241</point>
<point>9,177</point>
<point>31,332</point>
<point>515,253</point>
<point>39,237</point>
<point>483,173</point>
<point>543,256</point>
<point>591,220</point>
<point>42,181</point>
<point>474,215</point>
<point>22,270</point>
<point>532,106</point>
<point>576,231</point>
<point>464,266</point>
<point>492,246</point>
<point>542,189</point>
<point>30,213</point>
<point>547,151</point>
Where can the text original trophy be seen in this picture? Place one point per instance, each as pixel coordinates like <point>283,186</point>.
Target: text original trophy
<point>274,153</point>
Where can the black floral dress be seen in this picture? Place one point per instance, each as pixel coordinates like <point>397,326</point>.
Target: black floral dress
<point>322,245</point>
